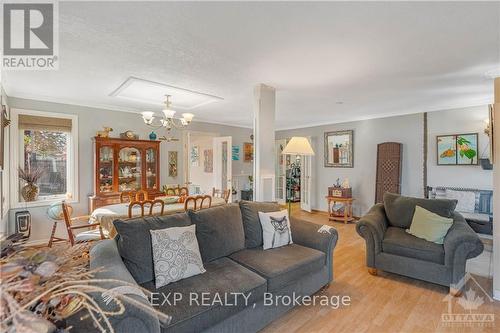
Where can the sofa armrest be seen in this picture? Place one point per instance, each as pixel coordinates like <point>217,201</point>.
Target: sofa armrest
<point>460,243</point>
<point>309,234</point>
<point>372,227</point>
<point>104,255</point>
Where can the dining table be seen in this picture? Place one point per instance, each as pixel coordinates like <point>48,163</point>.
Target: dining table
<point>105,215</point>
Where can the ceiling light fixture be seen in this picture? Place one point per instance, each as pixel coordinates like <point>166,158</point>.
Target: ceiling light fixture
<point>167,120</point>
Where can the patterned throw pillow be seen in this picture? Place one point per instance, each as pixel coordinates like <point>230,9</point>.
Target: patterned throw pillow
<point>276,230</point>
<point>175,254</point>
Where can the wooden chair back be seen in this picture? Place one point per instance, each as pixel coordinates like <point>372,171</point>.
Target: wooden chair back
<point>198,202</point>
<point>67,223</point>
<point>130,196</point>
<point>179,191</point>
<point>221,194</point>
<point>146,206</point>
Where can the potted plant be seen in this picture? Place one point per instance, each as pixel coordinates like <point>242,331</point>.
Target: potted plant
<point>30,177</point>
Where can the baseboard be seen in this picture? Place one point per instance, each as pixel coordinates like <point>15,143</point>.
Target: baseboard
<point>36,242</point>
<point>496,295</point>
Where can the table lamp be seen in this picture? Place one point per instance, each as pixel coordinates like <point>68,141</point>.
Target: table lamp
<point>297,146</point>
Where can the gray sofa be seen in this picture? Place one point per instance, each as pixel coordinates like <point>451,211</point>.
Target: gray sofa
<point>230,241</point>
<point>390,248</point>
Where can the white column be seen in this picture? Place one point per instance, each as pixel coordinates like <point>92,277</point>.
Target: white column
<point>496,193</point>
<point>263,131</point>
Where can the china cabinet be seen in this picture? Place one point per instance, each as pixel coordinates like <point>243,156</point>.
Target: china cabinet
<point>124,165</point>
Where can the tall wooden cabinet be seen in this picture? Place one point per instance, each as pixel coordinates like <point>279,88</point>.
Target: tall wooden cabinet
<point>124,165</point>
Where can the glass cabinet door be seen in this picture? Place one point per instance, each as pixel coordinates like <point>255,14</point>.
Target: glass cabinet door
<point>129,169</point>
<point>151,171</point>
<point>106,169</point>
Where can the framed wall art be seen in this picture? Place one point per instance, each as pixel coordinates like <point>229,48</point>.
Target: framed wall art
<point>172,164</point>
<point>457,149</point>
<point>339,152</point>
<point>208,160</point>
<point>247,152</point>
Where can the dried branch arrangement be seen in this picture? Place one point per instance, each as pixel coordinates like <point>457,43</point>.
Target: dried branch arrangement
<point>41,288</point>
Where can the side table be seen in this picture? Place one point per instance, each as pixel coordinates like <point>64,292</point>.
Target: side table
<point>347,214</point>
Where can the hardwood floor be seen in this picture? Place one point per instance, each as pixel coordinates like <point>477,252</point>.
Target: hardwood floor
<point>383,303</point>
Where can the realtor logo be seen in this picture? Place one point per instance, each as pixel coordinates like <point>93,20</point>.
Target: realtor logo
<point>30,35</point>
<point>469,310</point>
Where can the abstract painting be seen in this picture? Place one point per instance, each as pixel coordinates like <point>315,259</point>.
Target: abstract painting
<point>195,156</point>
<point>172,164</point>
<point>208,160</point>
<point>235,153</point>
<point>457,149</point>
<point>247,152</point>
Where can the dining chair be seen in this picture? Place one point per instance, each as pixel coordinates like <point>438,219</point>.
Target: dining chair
<point>144,205</point>
<point>85,236</point>
<point>197,202</point>
<point>127,196</point>
<point>221,194</point>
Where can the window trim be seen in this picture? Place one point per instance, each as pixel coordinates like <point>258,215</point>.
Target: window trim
<point>72,181</point>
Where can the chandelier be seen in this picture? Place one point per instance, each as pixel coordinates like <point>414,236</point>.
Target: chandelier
<point>167,120</point>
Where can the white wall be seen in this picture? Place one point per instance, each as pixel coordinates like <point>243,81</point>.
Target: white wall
<point>367,134</point>
<point>90,120</point>
<point>459,121</point>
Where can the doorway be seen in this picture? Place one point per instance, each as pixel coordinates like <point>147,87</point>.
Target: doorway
<point>293,177</point>
<point>208,162</point>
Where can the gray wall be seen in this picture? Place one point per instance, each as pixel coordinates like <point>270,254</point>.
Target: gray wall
<point>367,134</point>
<point>90,120</point>
<point>4,176</point>
<point>409,131</point>
<point>459,121</point>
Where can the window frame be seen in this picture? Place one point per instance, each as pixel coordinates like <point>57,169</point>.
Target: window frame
<point>15,144</point>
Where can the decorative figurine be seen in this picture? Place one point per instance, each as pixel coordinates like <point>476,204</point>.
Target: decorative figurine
<point>104,133</point>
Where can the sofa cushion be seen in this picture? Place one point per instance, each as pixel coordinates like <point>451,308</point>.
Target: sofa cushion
<point>429,226</point>
<point>219,231</point>
<point>283,265</point>
<point>251,223</point>
<point>400,209</point>
<point>222,277</point>
<point>134,241</point>
<point>398,242</point>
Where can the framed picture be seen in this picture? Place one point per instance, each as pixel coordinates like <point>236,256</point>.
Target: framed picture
<point>208,160</point>
<point>194,155</point>
<point>457,149</point>
<point>339,152</point>
<point>172,164</point>
<point>247,152</point>
<point>235,156</point>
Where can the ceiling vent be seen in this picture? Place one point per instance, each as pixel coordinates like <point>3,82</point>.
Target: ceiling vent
<point>150,92</point>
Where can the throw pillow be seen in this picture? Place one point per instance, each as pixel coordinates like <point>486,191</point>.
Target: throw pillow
<point>176,255</point>
<point>429,226</point>
<point>251,223</point>
<point>400,209</point>
<point>134,242</point>
<point>466,200</point>
<point>276,230</point>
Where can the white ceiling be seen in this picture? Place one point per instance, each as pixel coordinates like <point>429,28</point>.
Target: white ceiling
<point>379,59</point>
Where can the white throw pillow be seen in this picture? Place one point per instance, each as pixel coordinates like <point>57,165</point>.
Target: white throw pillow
<point>466,200</point>
<point>276,230</point>
<point>176,254</point>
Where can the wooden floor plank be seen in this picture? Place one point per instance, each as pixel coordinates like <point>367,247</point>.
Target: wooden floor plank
<point>385,303</point>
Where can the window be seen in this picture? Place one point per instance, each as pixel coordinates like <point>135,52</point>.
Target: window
<point>46,143</point>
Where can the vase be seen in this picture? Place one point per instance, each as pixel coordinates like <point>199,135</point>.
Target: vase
<point>29,192</point>
<point>152,136</point>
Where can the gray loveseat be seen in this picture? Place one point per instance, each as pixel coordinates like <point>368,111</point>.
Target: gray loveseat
<point>230,241</point>
<point>390,248</point>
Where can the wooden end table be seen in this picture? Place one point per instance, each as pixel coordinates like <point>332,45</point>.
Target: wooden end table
<point>347,203</point>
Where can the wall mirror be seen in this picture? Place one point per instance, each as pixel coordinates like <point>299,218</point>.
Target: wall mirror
<point>339,149</point>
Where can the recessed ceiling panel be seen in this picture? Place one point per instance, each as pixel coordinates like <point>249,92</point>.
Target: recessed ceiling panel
<point>150,92</point>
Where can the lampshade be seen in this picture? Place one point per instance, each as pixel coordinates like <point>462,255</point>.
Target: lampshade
<point>188,117</point>
<point>168,113</point>
<point>298,146</point>
<point>147,115</point>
